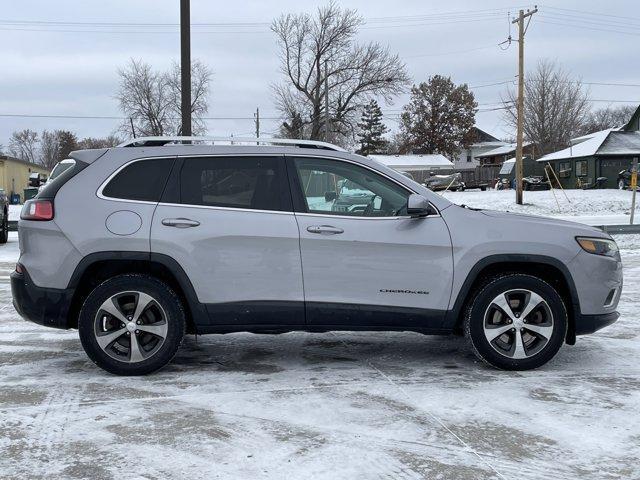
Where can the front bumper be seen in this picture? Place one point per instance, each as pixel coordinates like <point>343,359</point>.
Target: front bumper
<point>44,306</point>
<point>586,324</point>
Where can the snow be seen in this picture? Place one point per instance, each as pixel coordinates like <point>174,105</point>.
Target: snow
<point>585,148</point>
<point>414,162</point>
<point>502,150</point>
<point>323,406</point>
<point>594,207</point>
<point>14,212</point>
<point>507,166</point>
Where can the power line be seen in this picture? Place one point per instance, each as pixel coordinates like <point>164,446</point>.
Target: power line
<point>587,28</point>
<point>597,14</point>
<point>450,53</point>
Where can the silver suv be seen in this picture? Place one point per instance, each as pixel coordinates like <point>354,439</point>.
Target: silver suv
<point>137,245</point>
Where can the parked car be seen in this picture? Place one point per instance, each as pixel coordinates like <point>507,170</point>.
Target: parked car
<point>4,217</point>
<point>624,179</point>
<point>60,167</point>
<point>534,182</point>
<point>451,182</point>
<point>138,245</point>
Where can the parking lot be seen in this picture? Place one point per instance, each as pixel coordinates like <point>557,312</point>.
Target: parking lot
<point>343,405</point>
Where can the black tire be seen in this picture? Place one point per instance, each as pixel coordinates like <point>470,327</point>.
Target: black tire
<point>4,228</point>
<point>621,184</point>
<point>477,308</point>
<point>163,296</point>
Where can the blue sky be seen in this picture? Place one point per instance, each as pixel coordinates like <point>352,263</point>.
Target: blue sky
<point>70,69</point>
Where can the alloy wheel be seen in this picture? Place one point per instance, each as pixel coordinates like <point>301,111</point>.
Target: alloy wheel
<point>130,326</point>
<point>518,323</point>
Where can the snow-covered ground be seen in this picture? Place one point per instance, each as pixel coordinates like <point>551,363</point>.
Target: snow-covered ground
<point>14,212</point>
<point>322,406</point>
<point>594,207</point>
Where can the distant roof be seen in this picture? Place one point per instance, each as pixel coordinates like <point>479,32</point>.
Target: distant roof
<point>621,143</point>
<point>505,149</point>
<point>480,136</point>
<point>605,142</point>
<point>576,140</point>
<point>507,166</point>
<point>585,148</point>
<point>414,162</point>
<point>19,160</point>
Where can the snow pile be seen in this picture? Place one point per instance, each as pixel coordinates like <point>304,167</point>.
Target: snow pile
<point>578,203</point>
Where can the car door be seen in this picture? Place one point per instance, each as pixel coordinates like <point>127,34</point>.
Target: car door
<point>228,222</point>
<point>365,262</point>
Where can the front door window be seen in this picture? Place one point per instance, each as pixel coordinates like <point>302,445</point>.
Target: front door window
<point>340,188</point>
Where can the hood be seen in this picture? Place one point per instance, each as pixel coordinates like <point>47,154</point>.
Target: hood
<point>579,228</point>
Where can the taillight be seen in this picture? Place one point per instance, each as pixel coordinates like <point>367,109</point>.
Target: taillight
<point>37,210</point>
<point>19,268</point>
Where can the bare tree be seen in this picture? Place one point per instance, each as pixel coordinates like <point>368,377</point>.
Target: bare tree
<point>200,80</point>
<point>107,142</point>
<point>151,99</point>
<point>555,107</point>
<point>320,49</point>
<point>49,149</point>
<point>23,144</point>
<point>607,117</point>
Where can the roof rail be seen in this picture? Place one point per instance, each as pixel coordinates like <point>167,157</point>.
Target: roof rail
<point>160,141</point>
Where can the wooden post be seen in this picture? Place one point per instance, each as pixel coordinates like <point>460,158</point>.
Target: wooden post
<point>634,187</point>
<point>520,101</point>
<point>185,66</point>
<point>327,134</point>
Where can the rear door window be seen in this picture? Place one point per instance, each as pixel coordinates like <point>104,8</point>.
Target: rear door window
<point>246,182</point>
<point>142,180</point>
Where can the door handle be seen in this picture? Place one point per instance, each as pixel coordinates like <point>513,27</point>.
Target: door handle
<point>180,222</point>
<point>324,230</point>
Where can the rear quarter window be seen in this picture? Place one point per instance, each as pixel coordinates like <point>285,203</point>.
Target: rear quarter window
<point>51,188</point>
<point>256,183</point>
<point>142,180</point>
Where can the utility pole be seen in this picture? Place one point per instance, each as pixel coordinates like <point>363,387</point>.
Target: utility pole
<point>185,66</point>
<point>256,116</point>
<point>520,104</point>
<point>326,104</point>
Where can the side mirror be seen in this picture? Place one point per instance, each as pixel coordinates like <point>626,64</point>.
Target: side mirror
<point>418,206</point>
<point>330,196</point>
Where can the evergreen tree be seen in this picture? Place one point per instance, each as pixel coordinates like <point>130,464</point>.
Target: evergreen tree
<point>371,130</point>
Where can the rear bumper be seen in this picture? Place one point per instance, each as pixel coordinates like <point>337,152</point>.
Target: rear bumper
<point>586,324</point>
<point>44,306</point>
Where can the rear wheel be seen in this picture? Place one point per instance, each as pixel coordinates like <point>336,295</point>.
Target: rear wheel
<point>131,324</point>
<point>516,322</point>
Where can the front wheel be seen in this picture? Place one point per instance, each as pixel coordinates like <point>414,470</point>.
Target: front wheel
<point>621,184</point>
<point>516,322</point>
<point>131,324</point>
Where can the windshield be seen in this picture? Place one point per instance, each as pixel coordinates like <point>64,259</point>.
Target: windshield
<point>60,167</point>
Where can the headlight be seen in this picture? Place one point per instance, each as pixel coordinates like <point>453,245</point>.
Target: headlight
<point>598,246</point>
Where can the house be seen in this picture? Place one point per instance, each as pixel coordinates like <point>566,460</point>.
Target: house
<point>14,174</point>
<point>497,156</point>
<point>600,154</point>
<point>482,143</point>
<point>420,166</point>
<point>529,168</point>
